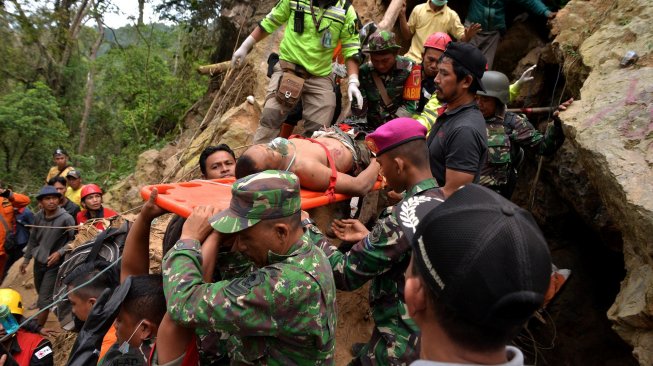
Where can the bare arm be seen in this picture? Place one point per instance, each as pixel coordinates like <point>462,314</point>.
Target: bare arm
<point>172,340</point>
<point>259,34</point>
<point>352,66</point>
<point>403,24</point>
<point>454,179</point>
<point>136,255</point>
<point>315,176</point>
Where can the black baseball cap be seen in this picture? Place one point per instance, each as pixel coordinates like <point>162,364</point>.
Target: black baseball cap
<point>480,254</point>
<point>469,57</point>
<point>74,173</point>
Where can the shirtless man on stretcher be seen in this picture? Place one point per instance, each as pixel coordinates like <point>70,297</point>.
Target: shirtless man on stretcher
<point>353,173</point>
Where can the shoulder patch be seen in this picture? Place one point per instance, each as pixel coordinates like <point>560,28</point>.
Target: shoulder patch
<point>243,285</point>
<point>375,234</point>
<point>43,352</point>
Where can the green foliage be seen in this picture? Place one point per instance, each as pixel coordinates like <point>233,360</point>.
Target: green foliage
<point>145,81</point>
<point>30,129</point>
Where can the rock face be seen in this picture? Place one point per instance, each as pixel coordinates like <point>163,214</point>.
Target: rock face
<point>611,131</point>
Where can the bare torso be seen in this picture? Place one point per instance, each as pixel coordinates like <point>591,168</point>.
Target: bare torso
<point>308,152</point>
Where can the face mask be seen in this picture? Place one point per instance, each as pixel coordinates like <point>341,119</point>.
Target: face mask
<point>124,347</point>
<point>439,2</point>
<point>281,145</point>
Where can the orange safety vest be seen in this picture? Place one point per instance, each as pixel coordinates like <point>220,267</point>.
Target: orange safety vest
<point>28,343</point>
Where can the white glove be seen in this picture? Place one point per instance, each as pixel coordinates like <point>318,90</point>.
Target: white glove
<point>238,59</point>
<point>526,76</point>
<point>354,92</point>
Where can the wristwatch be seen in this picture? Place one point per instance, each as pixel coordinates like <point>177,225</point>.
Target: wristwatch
<point>308,221</point>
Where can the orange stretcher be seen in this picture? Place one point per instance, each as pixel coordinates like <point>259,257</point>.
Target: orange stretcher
<point>181,198</point>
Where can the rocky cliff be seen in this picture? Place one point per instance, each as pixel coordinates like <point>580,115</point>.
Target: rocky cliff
<point>610,133</point>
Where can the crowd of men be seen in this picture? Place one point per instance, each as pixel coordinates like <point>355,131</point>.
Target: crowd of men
<point>455,269</point>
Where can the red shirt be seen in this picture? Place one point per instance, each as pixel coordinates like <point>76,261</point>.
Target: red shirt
<point>83,216</point>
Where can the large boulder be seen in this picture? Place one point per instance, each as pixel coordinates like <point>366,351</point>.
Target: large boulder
<point>611,129</point>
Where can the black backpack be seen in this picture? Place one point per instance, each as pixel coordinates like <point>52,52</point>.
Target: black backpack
<point>108,246</point>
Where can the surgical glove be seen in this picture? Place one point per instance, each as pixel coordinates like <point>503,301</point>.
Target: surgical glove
<point>238,59</point>
<point>526,76</point>
<point>354,92</point>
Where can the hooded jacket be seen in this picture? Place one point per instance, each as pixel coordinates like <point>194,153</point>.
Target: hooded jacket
<point>45,241</point>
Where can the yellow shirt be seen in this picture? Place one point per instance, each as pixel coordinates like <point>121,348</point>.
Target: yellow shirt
<point>54,171</point>
<point>424,21</point>
<point>75,195</point>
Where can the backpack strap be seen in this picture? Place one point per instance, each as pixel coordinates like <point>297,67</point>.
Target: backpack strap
<point>385,98</point>
<point>97,244</point>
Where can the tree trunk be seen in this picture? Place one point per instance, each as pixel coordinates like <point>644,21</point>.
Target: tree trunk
<point>90,86</point>
<point>141,8</point>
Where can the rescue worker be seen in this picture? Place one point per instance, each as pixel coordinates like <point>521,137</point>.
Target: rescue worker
<point>434,46</point>
<point>281,313</point>
<point>382,82</point>
<point>74,189</point>
<point>92,207</point>
<point>10,201</point>
<point>508,133</point>
<point>479,271</point>
<point>61,166</point>
<point>428,18</point>
<point>458,141</point>
<point>217,162</point>
<point>47,243</point>
<point>313,29</point>
<point>59,183</point>
<point>382,255</point>
<point>491,15</point>
<point>26,347</point>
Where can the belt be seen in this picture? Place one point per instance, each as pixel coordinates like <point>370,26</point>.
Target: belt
<point>298,70</point>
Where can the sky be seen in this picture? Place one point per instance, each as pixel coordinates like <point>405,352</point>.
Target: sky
<point>129,8</point>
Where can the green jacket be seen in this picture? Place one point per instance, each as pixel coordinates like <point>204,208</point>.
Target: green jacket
<point>281,314</point>
<point>313,49</point>
<point>491,14</point>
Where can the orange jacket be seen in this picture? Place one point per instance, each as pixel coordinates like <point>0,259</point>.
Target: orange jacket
<point>16,200</point>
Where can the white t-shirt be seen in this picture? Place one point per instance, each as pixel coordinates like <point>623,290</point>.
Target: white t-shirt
<point>515,358</point>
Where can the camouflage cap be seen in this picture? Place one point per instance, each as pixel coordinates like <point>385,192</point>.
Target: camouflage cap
<point>381,41</point>
<point>267,195</point>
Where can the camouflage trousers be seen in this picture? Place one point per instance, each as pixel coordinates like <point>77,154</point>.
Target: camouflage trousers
<point>394,346</point>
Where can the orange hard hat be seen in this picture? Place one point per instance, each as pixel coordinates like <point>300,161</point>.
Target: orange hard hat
<point>437,40</point>
<point>90,189</point>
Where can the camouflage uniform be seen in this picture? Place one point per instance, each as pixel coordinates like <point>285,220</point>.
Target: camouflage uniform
<point>373,107</point>
<point>383,257</point>
<point>281,314</point>
<point>507,134</point>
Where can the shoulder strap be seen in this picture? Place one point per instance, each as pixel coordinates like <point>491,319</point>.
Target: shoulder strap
<point>384,93</point>
<point>97,245</point>
<point>331,190</point>
<point>61,171</point>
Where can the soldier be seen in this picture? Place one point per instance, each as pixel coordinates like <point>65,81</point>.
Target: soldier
<point>383,80</point>
<point>508,133</point>
<point>479,270</point>
<point>382,255</point>
<point>313,29</point>
<point>283,312</point>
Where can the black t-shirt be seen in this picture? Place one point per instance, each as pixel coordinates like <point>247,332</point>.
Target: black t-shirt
<point>458,141</point>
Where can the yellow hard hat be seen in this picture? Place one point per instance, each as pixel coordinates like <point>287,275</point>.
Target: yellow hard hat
<point>12,299</point>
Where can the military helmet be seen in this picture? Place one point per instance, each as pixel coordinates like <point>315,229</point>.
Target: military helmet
<point>381,41</point>
<point>12,299</point>
<point>496,85</point>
